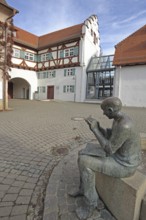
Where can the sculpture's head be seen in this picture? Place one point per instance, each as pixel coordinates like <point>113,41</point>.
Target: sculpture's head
<point>111,107</point>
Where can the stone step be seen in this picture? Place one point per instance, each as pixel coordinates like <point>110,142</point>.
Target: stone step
<point>123,197</point>
<point>143,141</point>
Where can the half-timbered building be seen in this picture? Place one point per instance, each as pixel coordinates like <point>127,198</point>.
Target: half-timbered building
<point>53,66</point>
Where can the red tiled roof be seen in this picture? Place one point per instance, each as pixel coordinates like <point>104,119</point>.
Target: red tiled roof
<point>60,36</point>
<point>28,39</point>
<point>131,50</point>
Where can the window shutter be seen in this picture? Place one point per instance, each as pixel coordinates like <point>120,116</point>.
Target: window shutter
<point>47,56</point>
<point>61,53</point>
<point>64,88</point>
<point>76,51</point>
<point>22,54</point>
<point>35,58</point>
<point>39,58</point>
<point>73,71</point>
<point>65,72</point>
<point>54,73</point>
<point>50,56</point>
<point>72,88</point>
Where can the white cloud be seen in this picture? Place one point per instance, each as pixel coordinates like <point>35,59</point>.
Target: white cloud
<point>128,20</point>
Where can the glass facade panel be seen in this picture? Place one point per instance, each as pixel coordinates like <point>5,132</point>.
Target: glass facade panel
<point>100,77</point>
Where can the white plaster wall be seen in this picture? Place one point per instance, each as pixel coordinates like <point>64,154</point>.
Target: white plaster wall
<point>16,60</point>
<point>87,50</point>
<point>132,85</point>
<point>90,48</point>
<point>29,76</point>
<point>82,87</point>
<point>58,82</point>
<point>117,82</point>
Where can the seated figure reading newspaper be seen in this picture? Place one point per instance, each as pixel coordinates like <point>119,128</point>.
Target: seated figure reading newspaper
<point>118,153</point>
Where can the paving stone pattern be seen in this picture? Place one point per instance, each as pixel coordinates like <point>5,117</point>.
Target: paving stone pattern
<point>58,204</point>
<point>34,137</point>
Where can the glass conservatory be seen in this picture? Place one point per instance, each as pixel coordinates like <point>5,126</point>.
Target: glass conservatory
<point>100,76</point>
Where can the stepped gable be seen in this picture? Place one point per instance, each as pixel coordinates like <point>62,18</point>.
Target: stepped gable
<point>132,50</point>
<point>59,36</point>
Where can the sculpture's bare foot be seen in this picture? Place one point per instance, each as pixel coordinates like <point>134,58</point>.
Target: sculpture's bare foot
<point>100,205</point>
<point>85,210</point>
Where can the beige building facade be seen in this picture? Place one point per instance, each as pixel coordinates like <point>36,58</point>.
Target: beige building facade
<point>6,35</point>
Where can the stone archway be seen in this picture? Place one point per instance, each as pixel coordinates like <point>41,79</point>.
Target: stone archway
<point>18,88</point>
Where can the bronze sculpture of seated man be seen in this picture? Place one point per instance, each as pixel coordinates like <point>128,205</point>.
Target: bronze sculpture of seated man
<point>118,153</point>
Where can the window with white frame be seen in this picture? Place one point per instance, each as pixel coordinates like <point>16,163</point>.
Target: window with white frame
<point>46,74</point>
<point>52,74</point>
<point>46,56</point>
<point>69,89</point>
<point>42,75</point>
<point>69,72</point>
<point>16,53</point>
<point>69,52</point>
<point>41,89</point>
<point>29,56</point>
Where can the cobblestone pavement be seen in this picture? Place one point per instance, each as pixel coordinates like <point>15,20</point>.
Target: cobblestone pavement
<point>35,137</point>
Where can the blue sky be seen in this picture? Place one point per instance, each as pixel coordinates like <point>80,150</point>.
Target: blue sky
<point>117,18</point>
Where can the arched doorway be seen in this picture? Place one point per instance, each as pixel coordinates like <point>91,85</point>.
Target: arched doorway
<point>18,88</point>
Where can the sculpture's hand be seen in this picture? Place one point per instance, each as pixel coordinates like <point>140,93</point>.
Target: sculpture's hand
<point>93,124</point>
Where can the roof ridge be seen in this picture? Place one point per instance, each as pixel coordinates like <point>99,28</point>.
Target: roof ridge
<point>47,33</point>
<point>130,36</point>
<point>63,35</point>
<point>60,30</point>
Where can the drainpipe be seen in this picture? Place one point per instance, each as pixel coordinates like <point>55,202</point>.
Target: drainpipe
<point>83,67</point>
